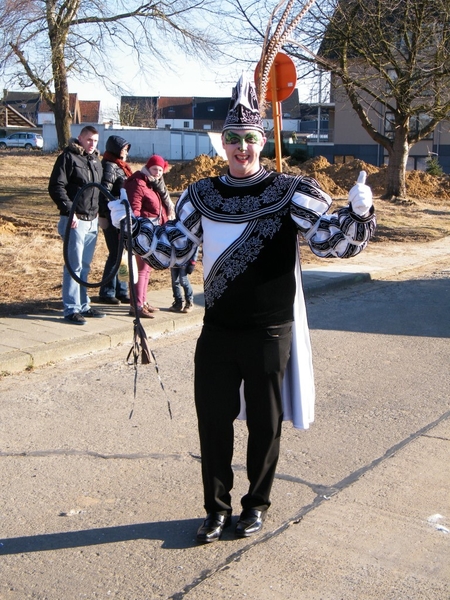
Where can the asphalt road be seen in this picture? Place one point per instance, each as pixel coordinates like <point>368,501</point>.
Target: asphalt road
<point>95,504</point>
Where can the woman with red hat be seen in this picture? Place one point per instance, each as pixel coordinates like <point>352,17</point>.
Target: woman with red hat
<point>148,197</point>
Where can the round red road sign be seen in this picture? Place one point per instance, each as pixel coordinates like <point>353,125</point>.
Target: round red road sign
<point>286,77</point>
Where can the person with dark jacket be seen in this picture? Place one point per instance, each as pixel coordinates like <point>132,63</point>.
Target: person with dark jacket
<point>115,172</point>
<point>76,166</point>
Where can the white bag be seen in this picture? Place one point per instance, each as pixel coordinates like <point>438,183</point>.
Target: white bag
<point>123,273</point>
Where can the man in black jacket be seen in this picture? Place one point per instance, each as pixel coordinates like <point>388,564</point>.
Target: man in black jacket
<point>77,165</point>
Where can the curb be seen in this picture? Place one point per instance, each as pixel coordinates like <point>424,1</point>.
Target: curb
<point>40,340</point>
<point>30,341</point>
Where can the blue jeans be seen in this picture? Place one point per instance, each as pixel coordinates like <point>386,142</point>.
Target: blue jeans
<point>180,280</point>
<point>81,249</point>
<point>115,287</point>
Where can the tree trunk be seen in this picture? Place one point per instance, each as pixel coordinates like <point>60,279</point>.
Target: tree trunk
<point>396,171</point>
<point>63,119</point>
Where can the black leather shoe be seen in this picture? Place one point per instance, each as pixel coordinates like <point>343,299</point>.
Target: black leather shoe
<point>250,522</point>
<point>212,527</point>
<point>108,300</point>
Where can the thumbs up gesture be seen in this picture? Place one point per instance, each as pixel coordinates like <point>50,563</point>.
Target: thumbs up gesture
<point>360,196</point>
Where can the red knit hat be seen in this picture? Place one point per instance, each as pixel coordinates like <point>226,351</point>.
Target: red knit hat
<point>158,161</point>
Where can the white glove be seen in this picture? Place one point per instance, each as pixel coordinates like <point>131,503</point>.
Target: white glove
<point>360,196</point>
<point>118,212</point>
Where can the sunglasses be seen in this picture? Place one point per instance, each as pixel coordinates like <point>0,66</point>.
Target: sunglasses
<point>232,138</point>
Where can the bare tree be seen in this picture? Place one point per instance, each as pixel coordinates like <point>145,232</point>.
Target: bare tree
<point>42,42</point>
<point>139,111</point>
<point>127,114</point>
<point>392,59</point>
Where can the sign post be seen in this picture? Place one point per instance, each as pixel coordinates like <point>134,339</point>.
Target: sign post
<point>282,82</point>
<point>276,115</point>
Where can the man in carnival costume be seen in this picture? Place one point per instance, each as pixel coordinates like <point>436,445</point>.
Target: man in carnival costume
<point>253,356</point>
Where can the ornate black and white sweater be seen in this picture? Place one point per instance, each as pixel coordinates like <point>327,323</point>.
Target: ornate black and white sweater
<point>248,228</point>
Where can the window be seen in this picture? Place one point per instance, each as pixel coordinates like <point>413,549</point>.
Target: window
<point>416,123</point>
<point>186,124</point>
<point>410,163</point>
<point>340,159</point>
<point>421,163</point>
<point>414,163</point>
<point>392,74</point>
<point>417,163</point>
<point>389,125</point>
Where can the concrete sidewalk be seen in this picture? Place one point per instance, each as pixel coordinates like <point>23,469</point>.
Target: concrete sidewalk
<point>29,341</point>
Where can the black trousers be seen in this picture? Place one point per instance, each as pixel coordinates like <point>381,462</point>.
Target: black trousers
<point>223,359</point>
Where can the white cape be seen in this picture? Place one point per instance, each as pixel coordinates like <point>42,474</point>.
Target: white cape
<point>298,384</point>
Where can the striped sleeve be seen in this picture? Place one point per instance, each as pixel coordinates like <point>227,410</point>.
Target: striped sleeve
<point>171,244</point>
<point>341,234</point>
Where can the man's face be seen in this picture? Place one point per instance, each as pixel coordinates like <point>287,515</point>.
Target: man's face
<point>89,141</point>
<point>243,148</point>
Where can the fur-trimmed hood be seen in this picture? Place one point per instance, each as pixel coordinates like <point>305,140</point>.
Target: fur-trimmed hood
<point>75,147</point>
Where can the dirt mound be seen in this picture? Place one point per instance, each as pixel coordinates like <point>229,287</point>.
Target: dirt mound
<point>182,174</point>
<point>425,186</point>
<point>336,180</point>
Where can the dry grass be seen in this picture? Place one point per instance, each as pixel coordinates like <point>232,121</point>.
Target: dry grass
<point>31,249</point>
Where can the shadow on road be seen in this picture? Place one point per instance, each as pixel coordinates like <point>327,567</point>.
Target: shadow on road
<point>418,307</point>
<point>173,534</point>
